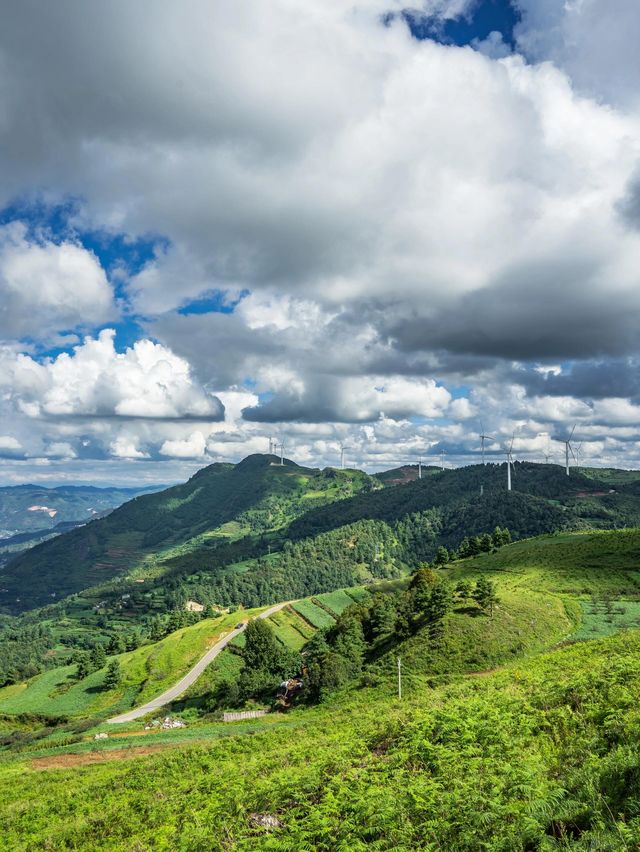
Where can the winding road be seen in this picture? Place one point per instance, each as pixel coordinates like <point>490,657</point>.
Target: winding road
<point>191,676</point>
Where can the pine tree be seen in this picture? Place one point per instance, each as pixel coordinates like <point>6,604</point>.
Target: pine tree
<point>98,657</point>
<point>485,594</point>
<point>113,675</point>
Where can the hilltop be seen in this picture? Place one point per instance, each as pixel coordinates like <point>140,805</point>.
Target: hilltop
<point>258,532</point>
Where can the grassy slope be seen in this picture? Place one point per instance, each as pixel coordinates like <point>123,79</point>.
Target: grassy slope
<point>147,672</point>
<point>548,586</point>
<point>518,760</point>
<point>500,757</point>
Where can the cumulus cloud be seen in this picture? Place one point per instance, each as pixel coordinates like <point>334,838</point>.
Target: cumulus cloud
<point>124,447</point>
<point>188,448</point>
<point>147,381</point>
<point>46,287</point>
<point>350,400</point>
<point>595,42</point>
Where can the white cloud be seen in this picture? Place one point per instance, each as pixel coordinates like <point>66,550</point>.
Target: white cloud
<point>46,287</point>
<point>147,380</point>
<point>595,41</point>
<point>7,442</point>
<point>193,447</point>
<point>60,450</point>
<point>123,447</point>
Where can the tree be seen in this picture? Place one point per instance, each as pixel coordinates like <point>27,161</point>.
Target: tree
<point>113,675</point>
<point>485,543</point>
<point>115,645</point>
<point>485,595</point>
<point>83,662</point>
<point>464,589</point>
<point>381,617</point>
<point>261,650</point>
<point>98,657</point>
<point>441,557</point>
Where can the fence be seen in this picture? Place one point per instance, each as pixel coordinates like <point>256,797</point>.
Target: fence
<point>245,714</point>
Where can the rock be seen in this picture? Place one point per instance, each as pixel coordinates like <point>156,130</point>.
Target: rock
<point>268,821</point>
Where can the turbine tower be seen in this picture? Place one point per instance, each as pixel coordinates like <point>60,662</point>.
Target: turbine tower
<point>442,459</point>
<point>282,453</point>
<point>343,447</point>
<point>509,461</point>
<point>569,449</point>
<point>484,438</point>
<point>271,445</point>
<point>420,468</point>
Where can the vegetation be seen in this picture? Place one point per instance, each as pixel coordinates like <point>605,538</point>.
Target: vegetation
<point>500,758</point>
<point>513,732</point>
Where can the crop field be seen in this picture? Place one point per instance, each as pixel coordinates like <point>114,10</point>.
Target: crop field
<point>290,629</point>
<point>314,614</point>
<point>357,593</point>
<point>337,601</point>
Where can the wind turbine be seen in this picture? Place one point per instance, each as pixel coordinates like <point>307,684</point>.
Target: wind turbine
<point>578,448</point>
<point>442,459</point>
<point>509,461</point>
<point>569,449</point>
<point>343,447</point>
<point>282,453</point>
<point>272,445</point>
<point>420,468</point>
<point>484,438</point>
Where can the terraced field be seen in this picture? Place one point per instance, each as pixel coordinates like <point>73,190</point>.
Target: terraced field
<point>314,614</point>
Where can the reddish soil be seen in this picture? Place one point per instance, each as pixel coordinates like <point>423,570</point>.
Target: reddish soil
<point>64,761</point>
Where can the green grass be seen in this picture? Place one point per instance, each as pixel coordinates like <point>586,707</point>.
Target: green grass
<point>314,614</point>
<point>337,601</point>
<point>541,755</point>
<point>576,564</point>
<point>290,629</point>
<point>605,617</point>
<point>146,672</point>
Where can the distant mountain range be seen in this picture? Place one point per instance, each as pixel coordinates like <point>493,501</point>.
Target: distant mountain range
<point>259,531</point>
<point>36,509</point>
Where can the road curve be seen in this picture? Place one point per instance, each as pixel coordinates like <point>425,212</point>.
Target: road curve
<point>191,676</point>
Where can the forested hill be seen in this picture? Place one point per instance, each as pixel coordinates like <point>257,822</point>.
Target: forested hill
<point>479,493</point>
<point>218,505</point>
<point>246,533</point>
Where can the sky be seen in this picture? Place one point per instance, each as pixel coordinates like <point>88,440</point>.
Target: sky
<point>367,224</point>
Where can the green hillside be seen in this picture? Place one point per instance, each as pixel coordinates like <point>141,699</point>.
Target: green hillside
<point>535,756</point>
<point>260,532</point>
<point>219,506</point>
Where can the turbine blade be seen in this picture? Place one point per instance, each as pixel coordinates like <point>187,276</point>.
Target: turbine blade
<point>572,431</point>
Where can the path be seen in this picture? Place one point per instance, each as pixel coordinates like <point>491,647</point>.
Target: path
<point>191,676</point>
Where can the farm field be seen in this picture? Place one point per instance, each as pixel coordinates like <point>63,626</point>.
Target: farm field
<point>311,612</point>
<point>146,672</point>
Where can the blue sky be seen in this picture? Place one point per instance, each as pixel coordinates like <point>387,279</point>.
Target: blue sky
<point>343,227</point>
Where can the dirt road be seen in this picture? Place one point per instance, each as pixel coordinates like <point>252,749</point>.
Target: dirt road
<point>191,676</point>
